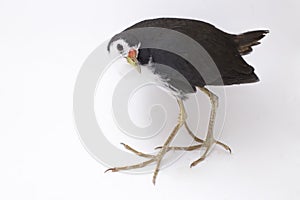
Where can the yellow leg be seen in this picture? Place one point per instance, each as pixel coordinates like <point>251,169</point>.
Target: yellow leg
<point>201,141</point>
<point>164,149</point>
<point>195,147</point>
<point>210,140</point>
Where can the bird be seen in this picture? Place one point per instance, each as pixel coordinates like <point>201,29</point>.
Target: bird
<point>164,46</point>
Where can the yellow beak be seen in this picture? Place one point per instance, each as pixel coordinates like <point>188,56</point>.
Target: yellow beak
<point>134,62</point>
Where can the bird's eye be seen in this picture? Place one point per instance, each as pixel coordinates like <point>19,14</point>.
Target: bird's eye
<point>119,47</point>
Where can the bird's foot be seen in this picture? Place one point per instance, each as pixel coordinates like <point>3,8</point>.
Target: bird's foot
<point>152,158</point>
<point>197,139</point>
<point>162,152</point>
<point>208,145</point>
<point>194,147</point>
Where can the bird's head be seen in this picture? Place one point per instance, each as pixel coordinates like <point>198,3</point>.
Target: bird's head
<point>127,51</point>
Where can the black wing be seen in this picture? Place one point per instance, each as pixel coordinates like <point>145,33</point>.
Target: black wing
<point>225,49</point>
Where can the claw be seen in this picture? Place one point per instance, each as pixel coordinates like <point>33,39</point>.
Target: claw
<point>123,144</point>
<point>111,169</point>
<point>157,147</point>
<point>196,162</point>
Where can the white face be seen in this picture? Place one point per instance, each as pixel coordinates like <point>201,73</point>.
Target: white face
<point>123,47</point>
<point>130,53</point>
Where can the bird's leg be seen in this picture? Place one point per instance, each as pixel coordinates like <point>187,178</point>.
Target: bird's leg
<point>210,140</point>
<point>181,119</point>
<point>201,141</point>
<point>188,148</point>
<point>192,134</point>
<point>164,149</point>
<point>194,147</point>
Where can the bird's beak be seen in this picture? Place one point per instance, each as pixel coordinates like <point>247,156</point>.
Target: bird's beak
<point>134,62</point>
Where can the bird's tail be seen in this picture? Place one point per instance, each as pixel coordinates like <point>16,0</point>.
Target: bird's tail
<point>245,41</point>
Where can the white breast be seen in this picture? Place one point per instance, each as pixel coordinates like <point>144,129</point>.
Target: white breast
<point>161,82</point>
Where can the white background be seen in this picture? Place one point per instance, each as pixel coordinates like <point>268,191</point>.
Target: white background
<point>42,47</point>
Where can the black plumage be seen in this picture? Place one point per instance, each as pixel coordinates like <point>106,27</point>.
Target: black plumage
<point>225,49</point>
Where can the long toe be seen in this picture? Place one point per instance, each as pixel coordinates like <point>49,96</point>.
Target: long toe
<point>226,147</point>
<point>129,148</point>
<point>188,148</point>
<point>135,166</point>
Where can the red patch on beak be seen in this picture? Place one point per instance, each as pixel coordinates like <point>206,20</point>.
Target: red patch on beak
<point>132,53</point>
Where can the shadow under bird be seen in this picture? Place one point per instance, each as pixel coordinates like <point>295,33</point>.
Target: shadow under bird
<point>183,55</point>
